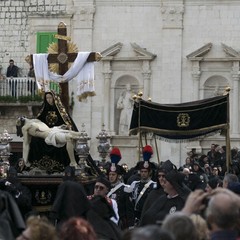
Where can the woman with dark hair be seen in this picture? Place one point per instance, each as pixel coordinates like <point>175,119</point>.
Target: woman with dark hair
<point>77,228</point>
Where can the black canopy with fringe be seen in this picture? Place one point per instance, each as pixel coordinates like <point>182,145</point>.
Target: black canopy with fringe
<point>185,121</point>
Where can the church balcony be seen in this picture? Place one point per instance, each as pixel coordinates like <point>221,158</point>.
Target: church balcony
<point>17,89</point>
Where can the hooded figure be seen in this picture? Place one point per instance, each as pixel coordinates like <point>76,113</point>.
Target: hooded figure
<point>20,192</point>
<point>201,176</point>
<point>71,201</point>
<point>11,221</point>
<point>161,172</point>
<point>169,203</point>
<point>67,202</point>
<point>167,166</point>
<point>176,179</point>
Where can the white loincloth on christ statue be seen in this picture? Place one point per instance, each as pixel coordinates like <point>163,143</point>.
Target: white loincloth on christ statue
<point>81,70</point>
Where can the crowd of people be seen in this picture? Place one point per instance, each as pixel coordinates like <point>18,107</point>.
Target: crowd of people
<point>199,200</point>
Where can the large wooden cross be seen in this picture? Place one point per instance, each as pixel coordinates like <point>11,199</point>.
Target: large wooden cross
<point>62,58</point>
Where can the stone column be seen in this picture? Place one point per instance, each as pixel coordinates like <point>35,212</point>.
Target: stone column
<point>82,36</point>
<point>234,114</point>
<point>196,73</point>
<point>171,67</point>
<point>146,72</point>
<point>172,35</point>
<point>107,73</point>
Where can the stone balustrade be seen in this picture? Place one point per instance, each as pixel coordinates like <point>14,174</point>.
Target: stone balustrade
<point>16,87</point>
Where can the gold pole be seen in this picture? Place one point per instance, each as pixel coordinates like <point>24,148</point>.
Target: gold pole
<point>228,147</point>
<point>157,149</point>
<point>138,99</point>
<point>145,135</point>
<point>139,145</point>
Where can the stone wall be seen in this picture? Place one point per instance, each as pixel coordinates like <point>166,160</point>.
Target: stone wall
<point>14,32</point>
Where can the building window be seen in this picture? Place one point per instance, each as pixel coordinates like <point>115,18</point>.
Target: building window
<point>43,41</point>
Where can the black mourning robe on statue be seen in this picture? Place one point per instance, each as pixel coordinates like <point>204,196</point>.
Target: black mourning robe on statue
<point>41,154</point>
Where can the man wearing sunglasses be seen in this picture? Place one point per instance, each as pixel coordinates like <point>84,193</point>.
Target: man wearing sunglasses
<point>160,179</point>
<point>101,188</point>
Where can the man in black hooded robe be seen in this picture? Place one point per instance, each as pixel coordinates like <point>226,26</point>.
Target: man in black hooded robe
<point>11,220</point>
<point>165,167</point>
<point>71,201</point>
<point>169,203</point>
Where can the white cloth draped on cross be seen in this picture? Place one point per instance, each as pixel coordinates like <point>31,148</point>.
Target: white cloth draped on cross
<point>80,69</point>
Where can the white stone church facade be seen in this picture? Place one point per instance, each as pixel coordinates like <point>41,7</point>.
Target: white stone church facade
<point>172,50</point>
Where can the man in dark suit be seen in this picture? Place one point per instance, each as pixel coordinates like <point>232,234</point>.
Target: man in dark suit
<point>12,71</point>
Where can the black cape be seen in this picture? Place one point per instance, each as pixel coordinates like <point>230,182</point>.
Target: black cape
<point>160,209</point>
<point>71,201</point>
<point>11,221</point>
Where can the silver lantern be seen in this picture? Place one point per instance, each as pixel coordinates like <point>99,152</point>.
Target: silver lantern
<point>82,150</point>
<point>104,145</point>
<point>5,153</point>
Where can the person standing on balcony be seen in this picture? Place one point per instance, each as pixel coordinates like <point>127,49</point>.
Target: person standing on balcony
<point>31,72</point>
<point>12,71</point>
<point>31,83</point>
